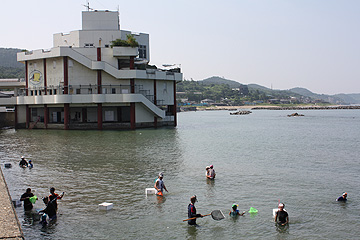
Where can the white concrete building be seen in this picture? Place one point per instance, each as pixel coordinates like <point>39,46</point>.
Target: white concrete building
<point>84,83</point>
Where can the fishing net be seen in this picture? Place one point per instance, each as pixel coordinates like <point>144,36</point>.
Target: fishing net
<point>253,210</point>
<point>217,215</point>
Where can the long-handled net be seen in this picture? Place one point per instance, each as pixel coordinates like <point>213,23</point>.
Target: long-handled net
<point>216,215</point>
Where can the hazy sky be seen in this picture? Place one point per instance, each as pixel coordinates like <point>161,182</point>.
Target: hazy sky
<point>313,44</point>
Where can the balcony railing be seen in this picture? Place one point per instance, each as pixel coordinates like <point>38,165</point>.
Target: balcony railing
<point>88,89</point>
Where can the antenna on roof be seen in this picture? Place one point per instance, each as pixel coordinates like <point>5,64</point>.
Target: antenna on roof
<point>88,6</point>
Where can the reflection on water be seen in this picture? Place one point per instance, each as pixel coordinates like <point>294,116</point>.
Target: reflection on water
<point>259,159</point>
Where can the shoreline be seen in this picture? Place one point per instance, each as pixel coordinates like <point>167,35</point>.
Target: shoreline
<point>266,107</point>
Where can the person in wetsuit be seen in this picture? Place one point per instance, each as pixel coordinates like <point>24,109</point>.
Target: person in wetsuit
<point>342,198</point>
<point>281,217</point>
<point>192,211</point>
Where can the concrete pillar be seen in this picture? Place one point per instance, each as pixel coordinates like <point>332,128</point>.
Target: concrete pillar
<point>132,63</point>
<point>132,116</point>
<point>99,116</point>
<point>66,75</point>
<point>16,116</point>
<point>99,77</point>
<point>46,115</point>
<point>155,102</point>
<point>27,112</point>
<point>45,77</point>
<point>175,106</point>
<point>66,116</point>
<point>26,78</point>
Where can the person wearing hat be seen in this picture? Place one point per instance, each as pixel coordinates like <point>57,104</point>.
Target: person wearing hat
<point>281,216</point>
<point>211,172</point>
<point>192,211</point>
<point>342,198</point>
<point>23,162</point>
<point>159,185</point>
<point>26,199</point>
<point>235,212</point>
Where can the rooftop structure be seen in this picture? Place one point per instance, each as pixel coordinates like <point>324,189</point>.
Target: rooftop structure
<point>84,82</point>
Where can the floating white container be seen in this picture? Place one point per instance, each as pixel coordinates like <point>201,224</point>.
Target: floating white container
<point>105,206</point>
<point>150,191</point>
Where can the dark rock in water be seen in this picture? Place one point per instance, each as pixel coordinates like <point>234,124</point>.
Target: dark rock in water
<point>295,115</point>
<point>240,113</point>
<point>7,165</point>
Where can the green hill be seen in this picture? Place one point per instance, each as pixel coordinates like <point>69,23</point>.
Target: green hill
<point>9,67</point>
<point>8,58</point>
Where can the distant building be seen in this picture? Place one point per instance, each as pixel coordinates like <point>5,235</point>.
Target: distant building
<point>83,83</point>
<point>207,101</point>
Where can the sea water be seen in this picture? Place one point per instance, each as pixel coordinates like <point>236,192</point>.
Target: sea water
<point>260,159</point>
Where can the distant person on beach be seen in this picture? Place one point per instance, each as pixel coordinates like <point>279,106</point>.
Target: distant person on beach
<point>211,172</point>
<point>23,162</point>
<point>342,198</point>
<point>54,196</point>
<point>235,212</point>
<point>159,185</point>
<point>192,211</point>
<point>26,199</point>
<point>281,216</point>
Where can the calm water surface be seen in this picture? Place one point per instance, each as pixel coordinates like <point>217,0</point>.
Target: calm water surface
<point>261,158</point>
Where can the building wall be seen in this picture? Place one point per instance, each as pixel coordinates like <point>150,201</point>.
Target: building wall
<point>54,71</point>
<point>81,75</point>
<point>165,91</point>
<point>143,115</point>
<point>36,73</point>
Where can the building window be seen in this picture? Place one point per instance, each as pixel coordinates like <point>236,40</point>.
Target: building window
<point>50,92</point>
<point>31,93</point>
<point>113,90</point>
<point>78,91</point>
<point>104,90</point>
<point>35,92</point>
<point>39,92</point>
<point>142,51</point>
<point>90,91</point>
<point>89,45</point>
<point>106,45</point>
<point>124,63</point>
<point>54,91</point>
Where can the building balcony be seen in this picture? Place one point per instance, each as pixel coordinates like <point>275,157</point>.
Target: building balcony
<point>125,51</point>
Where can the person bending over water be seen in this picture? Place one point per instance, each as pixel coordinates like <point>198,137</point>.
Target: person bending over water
<point>342,198</point>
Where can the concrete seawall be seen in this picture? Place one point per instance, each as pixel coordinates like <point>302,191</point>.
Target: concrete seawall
<point>9,223</point>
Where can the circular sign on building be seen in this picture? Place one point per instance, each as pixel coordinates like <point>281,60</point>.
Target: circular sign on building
<point>35,78</point>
